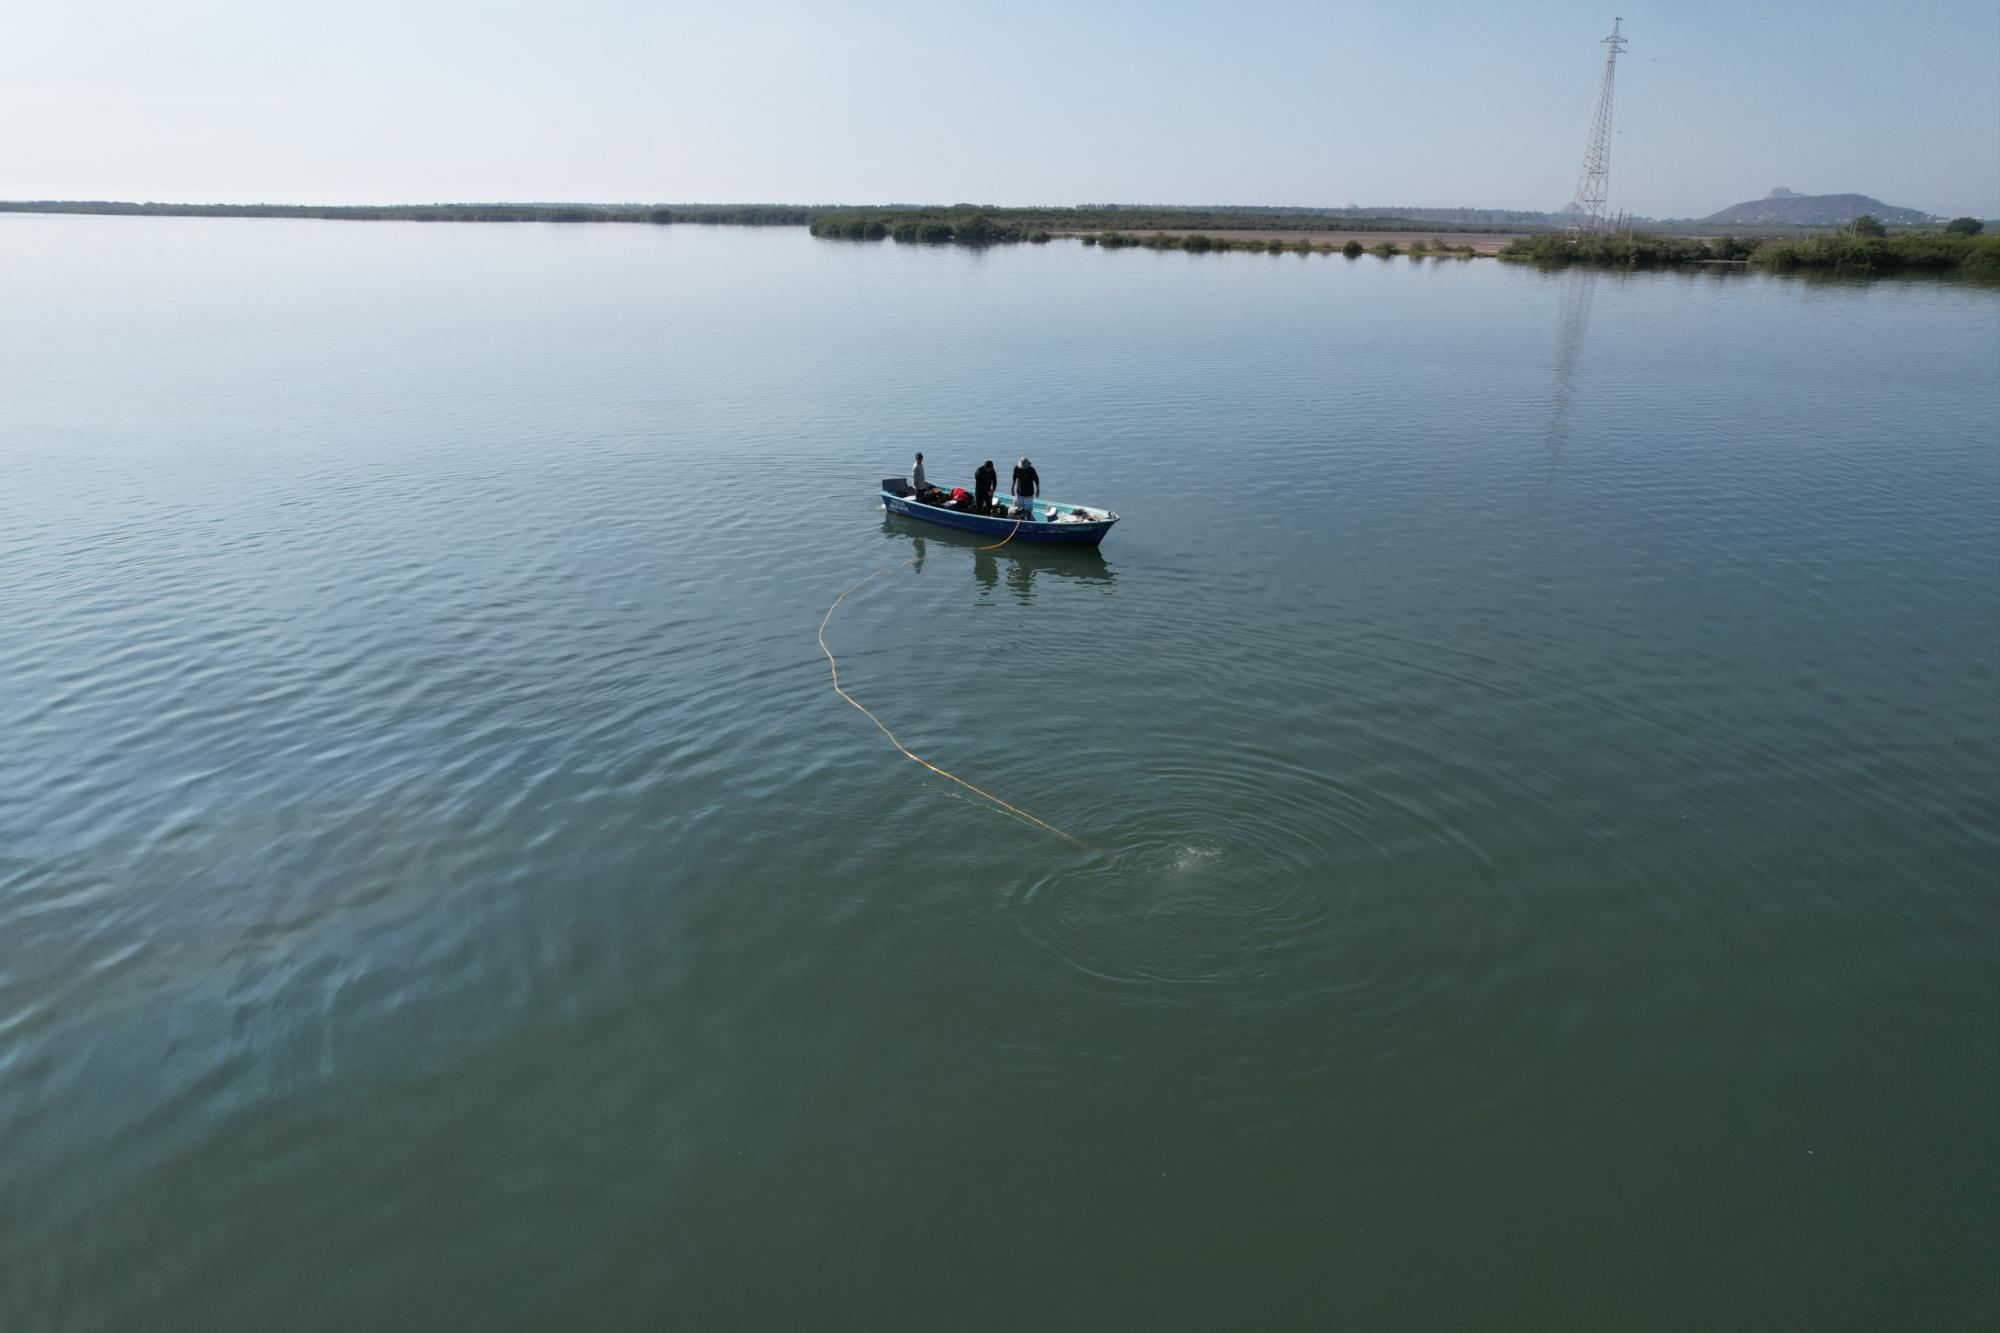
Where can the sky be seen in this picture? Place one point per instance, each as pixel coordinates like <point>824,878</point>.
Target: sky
<point>1438,104</point>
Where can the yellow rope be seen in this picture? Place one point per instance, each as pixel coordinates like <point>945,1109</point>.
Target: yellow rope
<point>1010,536</point>
<point>904,750</point>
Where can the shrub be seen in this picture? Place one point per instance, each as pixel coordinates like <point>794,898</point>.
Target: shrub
<point>1841,251</point>
<point>1197,242</point>
<point>1352,249</point>
<point>848,227</point>
<point>1383,251</point>
<point>1964,227</point>
<point>1628,250</point>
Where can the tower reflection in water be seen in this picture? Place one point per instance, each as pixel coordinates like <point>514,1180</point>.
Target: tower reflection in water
<point>1577,284</point>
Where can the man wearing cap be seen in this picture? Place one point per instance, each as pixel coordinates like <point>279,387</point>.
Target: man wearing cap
<point>1027,485</point>
<point>917,483</point>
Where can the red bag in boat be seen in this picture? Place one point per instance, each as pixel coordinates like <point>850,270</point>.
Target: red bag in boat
<point>958,493</point>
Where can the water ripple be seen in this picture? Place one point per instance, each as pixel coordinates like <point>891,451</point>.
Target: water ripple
<point>425,826</point>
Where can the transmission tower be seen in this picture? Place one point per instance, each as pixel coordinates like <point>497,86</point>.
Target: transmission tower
<point>1593,183</point>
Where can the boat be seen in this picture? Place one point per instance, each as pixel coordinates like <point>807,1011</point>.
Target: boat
<point>1052,521</point>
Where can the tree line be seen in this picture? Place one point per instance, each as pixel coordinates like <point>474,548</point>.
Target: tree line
<point>1197,243</point>
<point>1864,246</point>
<point>927,227</point>
<point>969,224</point>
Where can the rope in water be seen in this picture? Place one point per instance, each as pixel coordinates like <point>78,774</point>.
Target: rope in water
<point>904,750</point>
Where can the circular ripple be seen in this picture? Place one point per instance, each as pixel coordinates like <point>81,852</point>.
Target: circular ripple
<point>1190,913</point>
<point>1272,888</point>
<point>1180,897</point>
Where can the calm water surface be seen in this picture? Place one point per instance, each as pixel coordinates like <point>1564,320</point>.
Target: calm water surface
<point>1538,739</point>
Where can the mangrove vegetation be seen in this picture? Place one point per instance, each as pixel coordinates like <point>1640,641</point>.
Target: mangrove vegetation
<point>1117,228</point>
<point>1198,243</point>
<point>1854,249</point>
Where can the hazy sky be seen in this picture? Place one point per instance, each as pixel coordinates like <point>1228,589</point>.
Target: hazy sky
<point>1432,103</point>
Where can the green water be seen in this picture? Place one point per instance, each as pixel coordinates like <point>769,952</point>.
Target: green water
<point>1538,738</point>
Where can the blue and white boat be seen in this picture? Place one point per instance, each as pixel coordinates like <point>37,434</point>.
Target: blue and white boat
<point>1052,521</point>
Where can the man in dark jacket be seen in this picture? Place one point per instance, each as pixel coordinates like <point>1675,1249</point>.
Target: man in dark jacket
<point>984,482</point>
<point>1027,485</point>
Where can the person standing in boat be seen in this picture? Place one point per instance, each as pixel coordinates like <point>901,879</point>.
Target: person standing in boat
<point>918,485</point>
<point>984,483</point>
<point>1027,485</point>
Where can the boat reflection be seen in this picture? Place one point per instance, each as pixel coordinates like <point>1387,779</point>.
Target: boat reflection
<point>1020,565</point>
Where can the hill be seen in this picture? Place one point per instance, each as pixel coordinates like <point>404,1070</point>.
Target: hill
<point>1783,208</point>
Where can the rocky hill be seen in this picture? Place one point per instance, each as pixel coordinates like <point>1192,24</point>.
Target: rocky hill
<point>1781,207</point>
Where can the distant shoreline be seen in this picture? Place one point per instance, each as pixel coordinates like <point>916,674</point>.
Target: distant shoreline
<point>961,223</point>
<point>748,215</point>
<point>1198,230</point>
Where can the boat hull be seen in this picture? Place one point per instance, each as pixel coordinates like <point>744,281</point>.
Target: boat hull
<point>1065,534</point>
